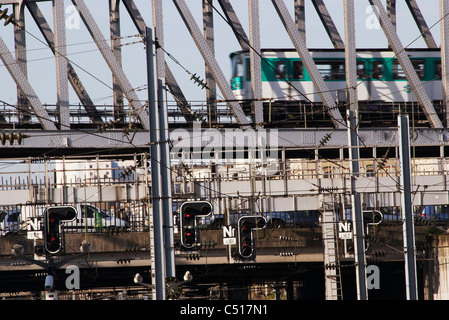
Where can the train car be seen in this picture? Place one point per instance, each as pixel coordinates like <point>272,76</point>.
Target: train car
<point>380,76</point>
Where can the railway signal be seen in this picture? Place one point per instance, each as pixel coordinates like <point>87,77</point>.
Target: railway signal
<point>246,225</point>
<point>52,226</point>
<point>190,211</point>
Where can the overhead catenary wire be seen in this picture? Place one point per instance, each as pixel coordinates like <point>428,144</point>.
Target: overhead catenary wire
<point>106,84</point>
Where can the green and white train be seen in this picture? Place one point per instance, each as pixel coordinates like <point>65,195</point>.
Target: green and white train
<point>380,76</point>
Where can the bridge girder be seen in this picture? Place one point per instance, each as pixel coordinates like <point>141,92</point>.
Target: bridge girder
<point>121,85</point>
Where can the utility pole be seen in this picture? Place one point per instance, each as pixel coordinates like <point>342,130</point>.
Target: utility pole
<point>159,273</point>
<point>166,191</point>
<point>357,214</point>
<point>408,229</point>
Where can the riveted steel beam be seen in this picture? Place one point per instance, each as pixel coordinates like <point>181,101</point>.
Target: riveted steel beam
<point>211,89</point>
<point>61,65</point>
<point>114,21</point>
<point>308,62</point>
<point>350,55</point>
<point>21,57</point>
<point>170,80</point>
<point>300,17</point>
<point>444,34</point>
<point>421,23</point>
<point>208,56</point>
<point>236,26</point>
<point>255,61</point>
<point>404,60</point>
<point>22,82</point>
<point>328,24</point>
<point>74,80</point>
<point>139,111</point>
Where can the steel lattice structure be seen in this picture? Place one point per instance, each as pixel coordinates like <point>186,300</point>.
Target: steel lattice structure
<point>135,117</point>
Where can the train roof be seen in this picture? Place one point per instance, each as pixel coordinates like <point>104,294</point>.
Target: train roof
<point>361,50</point>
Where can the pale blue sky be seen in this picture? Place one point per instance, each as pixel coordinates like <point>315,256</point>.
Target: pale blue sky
<point>178,42</point>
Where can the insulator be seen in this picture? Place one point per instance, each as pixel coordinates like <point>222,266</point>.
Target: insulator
<point>422,221</point>
<point>3,137</point>
<point>11,137</point>
<point>370,260</point>
<point>198,81</point>
<point>286,254</point>
<point>123,260</point>
<point>19,137</point>
<point>371,238</point>
<point>378,253</point>
<point>9,20</point>
<point>207,244</point>
<point>3,13</point>
<point>192,256</point>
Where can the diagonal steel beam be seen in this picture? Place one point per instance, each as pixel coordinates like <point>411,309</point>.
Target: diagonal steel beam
<point>298,42</point>
<point>421,23</point>
<point>170,80</point>
<point>139,110</point>
<point>74,80</point>
<point>406,65</point>
<point>236,26</point>
<point>328,24</point>
<point>209,58</point>
<point>22,82</point>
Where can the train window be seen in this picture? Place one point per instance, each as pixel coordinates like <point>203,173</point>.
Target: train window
<point>378,70</point>
<point>419,68</point>
<point>280,69</point>
<point>331,70</point>
<point>298,70</point>
<point>437,69</point>
<point>361,70</point>
<point>398,72</point>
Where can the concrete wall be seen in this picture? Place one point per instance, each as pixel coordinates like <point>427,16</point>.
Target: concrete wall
<point>437,276</point>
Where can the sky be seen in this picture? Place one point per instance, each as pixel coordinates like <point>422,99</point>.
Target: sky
<point>178,42</point>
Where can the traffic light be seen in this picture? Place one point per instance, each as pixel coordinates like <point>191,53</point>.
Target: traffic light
<point>190,210</point>
<point>246,225</point>
<point>373,217</point>
<point>53,217</point>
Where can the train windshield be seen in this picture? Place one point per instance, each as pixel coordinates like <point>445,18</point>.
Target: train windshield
<point>237,66</point>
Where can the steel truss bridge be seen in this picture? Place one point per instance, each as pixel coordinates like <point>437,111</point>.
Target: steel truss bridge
<point>128,117</point>
<point>73,128</point>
